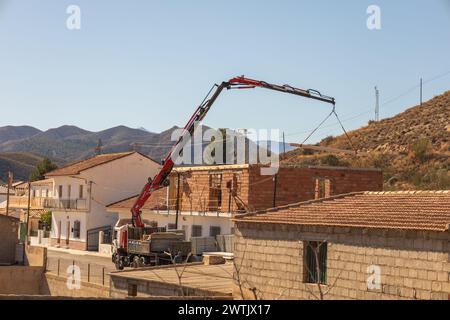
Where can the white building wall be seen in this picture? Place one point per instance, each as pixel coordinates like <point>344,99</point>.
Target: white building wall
<point>187,220</point>
<point>64,218</point>
<point>102,185</point>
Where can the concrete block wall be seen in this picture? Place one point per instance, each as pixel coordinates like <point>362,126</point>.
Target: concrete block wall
<point>147,289</point>
<point>413,264</point>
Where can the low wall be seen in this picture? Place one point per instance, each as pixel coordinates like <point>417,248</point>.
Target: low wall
<point>54,285</point>
<point>20,280</point>
<point>36,241</point>
<point>35,256</point>
<point>105,249</point>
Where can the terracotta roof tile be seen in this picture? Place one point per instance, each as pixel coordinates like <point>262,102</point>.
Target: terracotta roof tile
<point>77,167</point>
<point>157,201</point>
<point>410,210</point>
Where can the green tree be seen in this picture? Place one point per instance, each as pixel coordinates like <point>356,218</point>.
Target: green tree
<point>41,169</point>
<point>46,219</point>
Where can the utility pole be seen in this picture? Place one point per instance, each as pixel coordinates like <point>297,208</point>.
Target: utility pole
<point>10,180</point>
<point>284,144</point>
<point>377,104</point>
<point>421,91</point>
<point>28,212</point>
<point>178,201</point>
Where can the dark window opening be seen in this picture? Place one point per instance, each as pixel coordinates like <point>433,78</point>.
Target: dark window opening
<point>315,262</point>
<point>215,192</point>
<point>214,231</point>
<point>323,188</point>
<point>196,231</point>
<point>76,229</point>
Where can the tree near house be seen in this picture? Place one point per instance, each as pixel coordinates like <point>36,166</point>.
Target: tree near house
<point>46,219</point>
<point>41,169</point>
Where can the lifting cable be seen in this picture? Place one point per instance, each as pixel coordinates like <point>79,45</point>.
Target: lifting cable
<point>333,112</point>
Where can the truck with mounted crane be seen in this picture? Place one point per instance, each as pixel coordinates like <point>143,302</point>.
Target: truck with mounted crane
<point>137,244</point>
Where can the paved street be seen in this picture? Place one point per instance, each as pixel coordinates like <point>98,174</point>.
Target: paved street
<point>94,268</point>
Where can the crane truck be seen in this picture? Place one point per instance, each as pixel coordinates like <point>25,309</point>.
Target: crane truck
<point>138,245</point>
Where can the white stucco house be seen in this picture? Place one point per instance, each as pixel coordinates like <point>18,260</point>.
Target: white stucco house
<point>81,191</point>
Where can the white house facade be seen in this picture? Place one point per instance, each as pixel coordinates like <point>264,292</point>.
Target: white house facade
<point>82,190</point>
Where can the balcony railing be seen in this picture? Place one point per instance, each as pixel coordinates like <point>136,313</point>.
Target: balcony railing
<point>66,204</point>
<point>22,202</point>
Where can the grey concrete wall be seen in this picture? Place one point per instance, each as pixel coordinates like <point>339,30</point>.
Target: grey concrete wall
<point>53,285</point>
<point>413,264</point>
<point>20,280</point>
<point>9,228</point>
<point>149,289</point>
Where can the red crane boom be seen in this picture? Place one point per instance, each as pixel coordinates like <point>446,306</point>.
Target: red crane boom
<point>160,180</point>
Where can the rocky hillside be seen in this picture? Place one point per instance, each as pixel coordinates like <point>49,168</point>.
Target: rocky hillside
<point>412,148</point>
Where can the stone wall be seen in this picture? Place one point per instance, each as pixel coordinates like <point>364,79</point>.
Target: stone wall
<point>413,264</point>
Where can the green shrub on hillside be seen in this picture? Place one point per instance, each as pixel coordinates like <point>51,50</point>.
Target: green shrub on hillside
<point>421,149</point>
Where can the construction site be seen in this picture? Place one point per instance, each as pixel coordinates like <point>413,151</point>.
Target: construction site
<point>326,200</point>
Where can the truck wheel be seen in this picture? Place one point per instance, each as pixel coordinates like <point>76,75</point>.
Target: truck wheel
<point>119,264</point>
<point>136,262</point>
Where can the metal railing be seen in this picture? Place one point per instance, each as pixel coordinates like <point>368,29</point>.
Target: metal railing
<point>89,272</point>
<point>22,202</point>
<point>65,204</point>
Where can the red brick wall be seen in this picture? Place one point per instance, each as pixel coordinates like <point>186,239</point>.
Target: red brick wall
<point>195,191</point>
<point>299,184</point>
<point>293,185</point>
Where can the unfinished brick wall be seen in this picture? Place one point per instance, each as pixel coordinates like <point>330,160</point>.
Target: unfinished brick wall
<point>294,184</point>
<point>413,264</point>
<point>196,194</point>
<point>300,184</point>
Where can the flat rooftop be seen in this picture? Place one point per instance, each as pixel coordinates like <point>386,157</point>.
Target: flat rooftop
<point>217,279</point>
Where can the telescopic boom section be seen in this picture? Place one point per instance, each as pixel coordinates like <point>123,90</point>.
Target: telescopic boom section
<point>160,180</point>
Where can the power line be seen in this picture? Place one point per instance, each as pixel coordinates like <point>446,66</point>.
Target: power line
<point>369,110</point>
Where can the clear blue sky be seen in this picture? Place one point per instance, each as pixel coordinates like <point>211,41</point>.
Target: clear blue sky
<point>149,63</point>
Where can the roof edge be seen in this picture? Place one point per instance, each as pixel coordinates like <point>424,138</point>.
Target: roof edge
<point>296,204</point>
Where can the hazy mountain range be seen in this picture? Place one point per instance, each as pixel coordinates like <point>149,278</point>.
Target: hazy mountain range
<point>22,147</point>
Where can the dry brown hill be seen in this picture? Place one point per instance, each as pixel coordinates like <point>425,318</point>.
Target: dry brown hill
<point>412,148</point>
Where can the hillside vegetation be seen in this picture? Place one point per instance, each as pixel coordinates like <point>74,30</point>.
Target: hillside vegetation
<point>412,148</point>
<point>20,163</point>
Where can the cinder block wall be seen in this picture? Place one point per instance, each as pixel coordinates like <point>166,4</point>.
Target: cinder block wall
<point>299,184</point>
<point>414,264</point>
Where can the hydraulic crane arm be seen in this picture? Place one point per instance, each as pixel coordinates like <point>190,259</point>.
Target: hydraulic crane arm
<point>160,180</point>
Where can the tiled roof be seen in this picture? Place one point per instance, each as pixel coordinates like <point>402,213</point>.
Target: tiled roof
<point>77,167</point>
<point>157,201</point>
<point>410,210</point>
